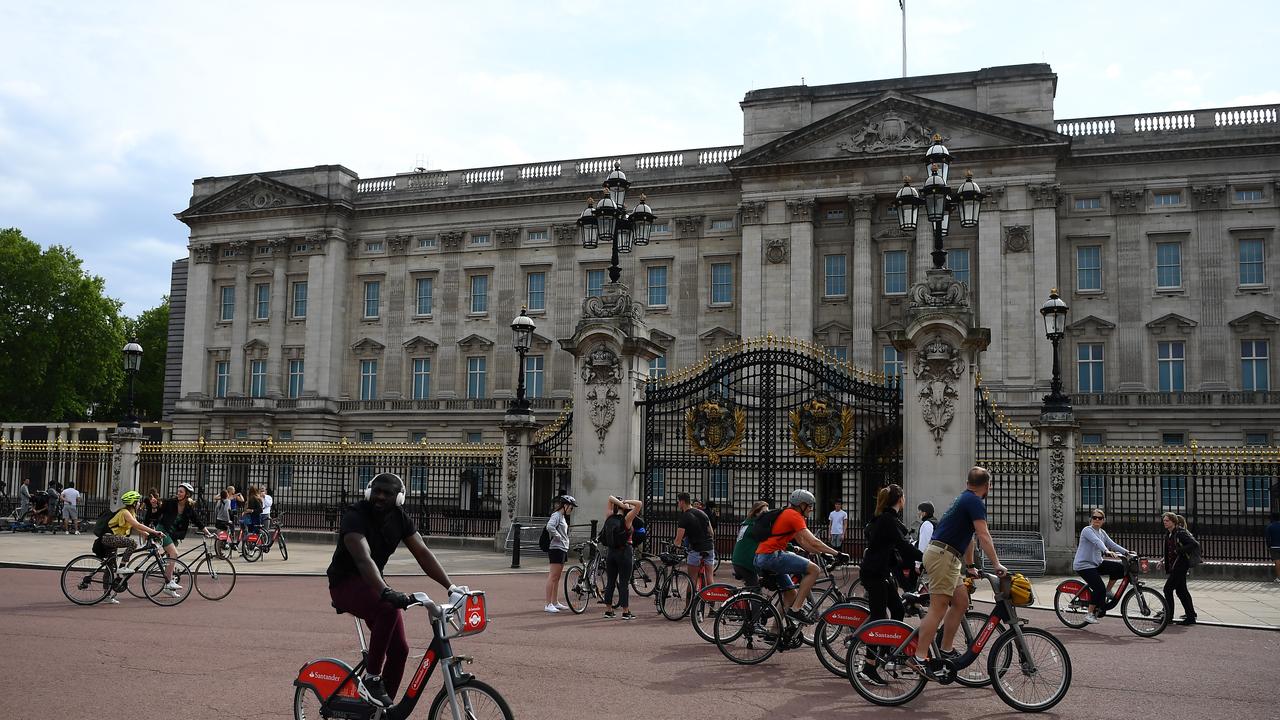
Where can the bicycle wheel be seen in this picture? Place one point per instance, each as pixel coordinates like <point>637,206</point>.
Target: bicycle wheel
<point>1032,675</point>
<point>1144,612</point>
<point>831,641</point>
<point>250,551</point>
<point>577,589</point>
<point>477,700</point>
<point>284,547</point>
<point>816,609</point>
<point>748,629</point>
<point>898,683</point>
<point>677,596</point>
<point>155,585</point>
<point>1069,606</point>
<point>306,704</point>
<point>214,577</point>
<point>976,675</point>
<point>702,612</point>
<point>86,580</point>
<point>131,574</point>
<point>644,577</point>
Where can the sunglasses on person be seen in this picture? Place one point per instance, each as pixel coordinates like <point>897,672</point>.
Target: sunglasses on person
<point>1099,517</point>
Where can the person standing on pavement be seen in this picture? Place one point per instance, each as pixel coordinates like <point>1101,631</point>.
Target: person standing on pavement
<point>695,526</point>
<point>1179,546</point>
<point>370,532</point>
<point>618,559</point>
<point>267,502</point>
<point>927,525</point>
<point>24,497</point>
<point>836,520</point>
<point>71,509</point>
<point>1273,542</point>
<point>963,524</point>
<point>558,529</point>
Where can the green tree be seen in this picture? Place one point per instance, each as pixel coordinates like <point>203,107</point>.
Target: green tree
<point>60,336</point>
<point>151,329</point>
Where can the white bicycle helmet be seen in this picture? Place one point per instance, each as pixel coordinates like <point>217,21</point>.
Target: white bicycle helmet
<point>802,497</point>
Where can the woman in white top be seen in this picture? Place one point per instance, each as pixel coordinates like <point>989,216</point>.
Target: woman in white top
<point>558,528</point>
<point>926,525</point>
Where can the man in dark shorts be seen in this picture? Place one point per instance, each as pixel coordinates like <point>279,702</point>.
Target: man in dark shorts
<point>696,527</point>
<point>371,530</point>
<point>953,538</point>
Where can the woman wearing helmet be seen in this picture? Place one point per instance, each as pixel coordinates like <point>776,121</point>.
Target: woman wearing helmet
<point>119,528</point>
<point>173,518</point>
<point>558,528</point>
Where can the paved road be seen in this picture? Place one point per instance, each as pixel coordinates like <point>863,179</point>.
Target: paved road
<point>236,659</point>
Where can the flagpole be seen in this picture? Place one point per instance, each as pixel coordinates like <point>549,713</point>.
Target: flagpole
<point>903,5</point>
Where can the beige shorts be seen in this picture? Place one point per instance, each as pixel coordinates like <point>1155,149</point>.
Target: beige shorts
<point>943,569</point>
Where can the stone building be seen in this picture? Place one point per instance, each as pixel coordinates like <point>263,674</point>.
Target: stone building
<point>318,305</point>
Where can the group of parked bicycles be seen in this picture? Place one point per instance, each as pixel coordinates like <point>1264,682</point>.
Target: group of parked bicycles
<point>253,543</point>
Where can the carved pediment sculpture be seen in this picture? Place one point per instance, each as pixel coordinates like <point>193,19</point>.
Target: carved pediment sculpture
<point>890,132</point>
<point>938,368</point>
<point>602,373</point>
<point>615,302</point>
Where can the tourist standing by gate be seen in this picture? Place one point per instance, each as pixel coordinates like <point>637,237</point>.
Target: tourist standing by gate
<point>618,560</point>
<point>558,529</point>
<point>836,520</point>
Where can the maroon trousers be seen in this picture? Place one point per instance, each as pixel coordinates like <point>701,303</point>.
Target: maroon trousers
<point>388,644</point>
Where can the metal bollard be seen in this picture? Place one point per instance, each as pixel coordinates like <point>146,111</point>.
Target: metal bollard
<point>515,545</point>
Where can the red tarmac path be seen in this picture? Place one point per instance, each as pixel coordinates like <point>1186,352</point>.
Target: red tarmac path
<point>237,658</point>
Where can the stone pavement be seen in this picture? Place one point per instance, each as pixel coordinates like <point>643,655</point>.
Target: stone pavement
<point>1238,603</point>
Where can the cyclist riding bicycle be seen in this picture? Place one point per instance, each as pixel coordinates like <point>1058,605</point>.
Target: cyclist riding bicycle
<point>173,518</point>
<point>1095,545</point>
<point>119,528</point>
<point>772,555</point>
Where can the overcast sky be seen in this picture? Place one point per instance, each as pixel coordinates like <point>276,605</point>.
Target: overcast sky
<point>108,111</point>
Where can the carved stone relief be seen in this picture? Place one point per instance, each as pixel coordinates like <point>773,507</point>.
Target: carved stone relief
<point>451,239</point>
<point>602,372</point>
<point>938,368</point>
<point>1057,479</point>
<point>260,200</point>
<point>776,251</point>
<point>202,253</point>
<point>863,206</point>
<point>566,234</point>
<point>800,210</point>
<point>1127,199</point>
<point>690,225</point>
<point>1045,194</point>
<point>890,132</point>
<point>614,302</point>
<point>1017,238</point>
<point>939,288</point>
<point>1208,195</point>
<point>398,243</point>
<point>507,236</point>
<point>752,212</point>
<point>513,461</point>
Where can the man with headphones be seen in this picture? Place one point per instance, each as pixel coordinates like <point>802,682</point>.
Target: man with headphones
<point>371,530</point>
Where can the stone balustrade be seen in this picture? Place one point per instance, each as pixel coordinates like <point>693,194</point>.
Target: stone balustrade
<point>1205,120</point>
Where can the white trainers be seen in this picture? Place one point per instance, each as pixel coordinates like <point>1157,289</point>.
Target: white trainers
<point>172,585</point>
<point>551,609</point>
<point>111,600</point>
<point>172,593</point>
<point>1091,618</point>
<point>561,606</point>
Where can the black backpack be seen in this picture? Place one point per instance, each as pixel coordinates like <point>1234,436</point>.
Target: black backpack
<point>101,526</point>
<point>614,532</point>
<point>638,531</point>
<point>762,526</point>
<point>544,540</point>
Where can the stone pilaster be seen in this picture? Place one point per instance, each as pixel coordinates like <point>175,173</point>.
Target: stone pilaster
<point>863,265</point>
<point>753,262</point>
<point>800,323</point>
<point>1127,205</point>
<point>125,446</point>
<point>1211,244</point>
<point>278,375</point>
<point>990,306</point>
<point>517,478</point>
<point>1058,495</point>
<point>198,322</point>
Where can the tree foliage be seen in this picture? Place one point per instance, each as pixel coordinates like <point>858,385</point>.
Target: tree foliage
<point>60,336</point>
<point>151,329</point>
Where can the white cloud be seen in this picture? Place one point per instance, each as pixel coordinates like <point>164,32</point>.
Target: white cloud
<point>1112,71</point>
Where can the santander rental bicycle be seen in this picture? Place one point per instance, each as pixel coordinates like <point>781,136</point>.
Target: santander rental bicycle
<point>330,688</point>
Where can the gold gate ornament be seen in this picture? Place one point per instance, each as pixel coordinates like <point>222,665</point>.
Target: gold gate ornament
<point>821,429</point>
<point>714,430</point>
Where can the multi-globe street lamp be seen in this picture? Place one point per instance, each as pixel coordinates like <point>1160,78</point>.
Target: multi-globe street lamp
<point>609,221</point>
<point>938,199</point>
<point>522,337</point>
<point>1054,312</point>
<point>132,361</point>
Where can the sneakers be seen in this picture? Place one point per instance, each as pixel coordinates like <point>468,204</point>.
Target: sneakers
<point>927,669</point>
<point>111,600</point>
<point>561,606</point>
<point>1187,621</point>
<point>173,593</point>
<point>799,616</point>
<point>76,532</point>
<point>1091,618</point>
<point>376,691</point>
<point>628,615</point>
<point>869,676</point>
<point>172,585</point>
<point>551,609</point>
<point>610,614</point>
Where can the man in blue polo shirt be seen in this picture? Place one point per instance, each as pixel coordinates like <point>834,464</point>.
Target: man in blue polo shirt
<point>953,538</point>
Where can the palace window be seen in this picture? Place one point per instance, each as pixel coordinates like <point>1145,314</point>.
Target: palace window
<point>1165,199</point>
<point>958,261</point>
<point>1170,361</point>
<point>221,377</point>
<point>835,285</point>
<point>227,295</point>
<point>476,377</point>
<point>533,365</point>
<point>1252,264</point>
<point>658,367</point>
<point>1089,268</point>
<point>424,291</point>
<point>479,294</point>
<point>895,272</point>
<point>1249,195</point>
<point>656,282</point>
<point>536,287</point>
<point>595,283</point>
<point>721,283</point>
<point>1255,367</point>
<point>1168,265</point>
<point>421,378</point>
<point>300,299</point>
<point>258,378</point>
<point>372,292</point>
<point>1089,368</point>
<point>262,301</point>
<point>296,368</point>
<point>1088,203</point>
<point>368,379</point>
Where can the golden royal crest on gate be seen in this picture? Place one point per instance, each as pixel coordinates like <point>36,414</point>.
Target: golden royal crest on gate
<point>821,428</point>
<point>715,430</point>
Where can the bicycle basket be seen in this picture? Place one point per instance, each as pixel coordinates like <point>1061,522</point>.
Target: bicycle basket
<point>1020,592</point>
<point>467,618</point>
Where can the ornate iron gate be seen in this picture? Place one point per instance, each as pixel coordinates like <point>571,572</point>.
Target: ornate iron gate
<point>765,417</point>
<point>550,461</point>
<point>1012,456</point>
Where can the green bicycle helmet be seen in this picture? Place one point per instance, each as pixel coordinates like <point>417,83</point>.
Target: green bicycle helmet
<point>130,497</point>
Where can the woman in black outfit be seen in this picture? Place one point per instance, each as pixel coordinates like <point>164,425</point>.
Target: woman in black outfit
<point>887,550</point>
<point>1179,545</point>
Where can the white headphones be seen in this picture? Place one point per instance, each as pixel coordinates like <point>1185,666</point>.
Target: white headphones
<point>368,490</point>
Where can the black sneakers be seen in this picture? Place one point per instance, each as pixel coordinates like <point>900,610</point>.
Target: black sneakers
<point>610,614</point>
<point>377,691</point>
<point>869,676</point>
<point>799,616</point>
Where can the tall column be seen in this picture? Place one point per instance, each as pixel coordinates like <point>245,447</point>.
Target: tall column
<point>1044,258</point>
<point>611,351</point>
<point>198,321</point>
<point>752,214</point>
<point>860,292</point>
<point>1211,245</point>
<point>277,362</point>
<point>517,476</point>
<point>990,306</point>
<point>1132,285</point>
<point>801,298</point>
<point>1058,498</point>
<point>125,446</point>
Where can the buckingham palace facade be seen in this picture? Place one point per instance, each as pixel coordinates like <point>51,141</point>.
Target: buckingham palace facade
<point>318,305</point>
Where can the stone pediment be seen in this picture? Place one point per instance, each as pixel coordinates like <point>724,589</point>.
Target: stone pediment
<point>717,336</point>
<point>895,125</point>
<point>1255,321</point>
<point>367,347</point>
<point>254,194</point>
<point>420,344</point>
<point>540,341</point>
<point>889,328</point>
<point>662,339</point>
<point>1172,322</point>
<point>1091,324</point>
<point>476,342</point>
<point>832,333</point>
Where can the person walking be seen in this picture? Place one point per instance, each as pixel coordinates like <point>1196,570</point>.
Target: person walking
<point>744,550</point>
<point>963,524</point>
<point>1273,543</point>
<point>71,509</point>
<point>370,532</point>
<point>24,497</point>
<point>618,559</point>
<point>695,526</point>
<point>267,502</point>
<point>1095,545</point>
<point>836,520</point>
<point>558,528</point>
<point>1179,548</point>
<point>888,550</point>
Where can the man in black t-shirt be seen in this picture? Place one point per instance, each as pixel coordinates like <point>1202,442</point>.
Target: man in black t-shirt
<point>371,530</point>
<point>696,527</point>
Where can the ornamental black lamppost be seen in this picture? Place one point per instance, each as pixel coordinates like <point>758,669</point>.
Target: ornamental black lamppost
<point>522,337</point>
<point>1054,312</point>
<point>938,199</point>
<point>132,361</point>
<point>608,221</point>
